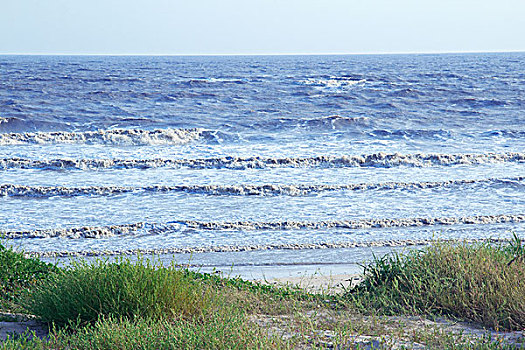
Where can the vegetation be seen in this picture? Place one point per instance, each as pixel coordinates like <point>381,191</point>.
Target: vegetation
<point>18,273</point>
<point>86,291</point>
<point>226,330</point>
<point>479,282</point>
<point>144,305</point>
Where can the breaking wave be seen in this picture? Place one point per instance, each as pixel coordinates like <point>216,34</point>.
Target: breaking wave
<point>332,122</point>
<point>234,190</point>
<point>124,137</point>
<point>152,228</point>
<point>239,248</point>
<point>380,160</point>
<point>333,82</point>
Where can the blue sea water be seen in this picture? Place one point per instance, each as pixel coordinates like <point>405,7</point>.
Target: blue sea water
<point>271,156</point>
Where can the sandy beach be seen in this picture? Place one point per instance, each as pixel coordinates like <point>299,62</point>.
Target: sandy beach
<point>330,284</point>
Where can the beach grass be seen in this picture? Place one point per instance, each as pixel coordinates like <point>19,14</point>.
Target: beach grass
<point>83,292</point>
<point>481,282</point>
<point>19,274</point>
<point>142,304</point>
<point>227,329</point>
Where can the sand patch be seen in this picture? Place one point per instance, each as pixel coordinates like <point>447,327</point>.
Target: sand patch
<point>330,284</point>
<point>15,324</point>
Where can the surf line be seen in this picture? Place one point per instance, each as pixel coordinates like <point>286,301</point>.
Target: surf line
<point>382,160</point>
<point>10,190</point>
<point>153,228</point>
<point>135,137</point>
<point>257,247</point>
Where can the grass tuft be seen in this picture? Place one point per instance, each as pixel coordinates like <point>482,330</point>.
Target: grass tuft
<point>86,291</point>
<point>18,274</point>
<point>480,283</point>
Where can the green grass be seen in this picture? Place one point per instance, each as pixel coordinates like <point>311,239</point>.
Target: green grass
<point>145,305</point>
<point>18,274</point>
<point>480,283</point>
<point>225,330</point>
<point>85,291</point>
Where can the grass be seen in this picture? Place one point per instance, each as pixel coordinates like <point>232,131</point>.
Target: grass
<point>479,282</point>
<point>144,305</point>
<point>19,274</point>
<point>226,330</point>
<point>86,291</point>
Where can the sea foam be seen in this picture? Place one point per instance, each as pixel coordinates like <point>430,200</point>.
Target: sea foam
<point>118,137</point>
<point>380,160</point>
<point>11,190</point>
<point>156,228</point>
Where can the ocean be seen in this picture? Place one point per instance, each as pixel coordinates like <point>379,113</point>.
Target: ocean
<point>260,165</point>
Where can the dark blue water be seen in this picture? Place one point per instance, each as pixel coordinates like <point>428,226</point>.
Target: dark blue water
<point>90,142</point>
<point>397,95</point>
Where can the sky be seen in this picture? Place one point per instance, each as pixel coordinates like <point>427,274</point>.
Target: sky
<point>175,27</point>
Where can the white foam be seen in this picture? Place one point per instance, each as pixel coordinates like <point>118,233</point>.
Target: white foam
<point>150,228</point>
<point>334,82</point>
<point>236,190</point>
<point>382,160</point>
<point>119,137</point>
<point>248,248</point>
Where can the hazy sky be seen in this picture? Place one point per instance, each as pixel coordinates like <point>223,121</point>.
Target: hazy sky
<point>260,26</point>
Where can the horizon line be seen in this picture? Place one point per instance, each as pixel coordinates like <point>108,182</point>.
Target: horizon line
<point>264,54</point>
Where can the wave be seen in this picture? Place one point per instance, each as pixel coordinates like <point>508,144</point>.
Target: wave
<point>205,82</point>
<point>354,224</point>
<point>440,134</point>
<point>411,134</point>
<point>152,228</point>
<point>478,102</point>
<point>125,137</point>
<point>238,248</point>
<point>333,82</point>
<point>515,134</point>
<point>9,190</point>
<point>332,122</point>
<point>15,125</point>
<point>379,160</point>
<point>77,232</point>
